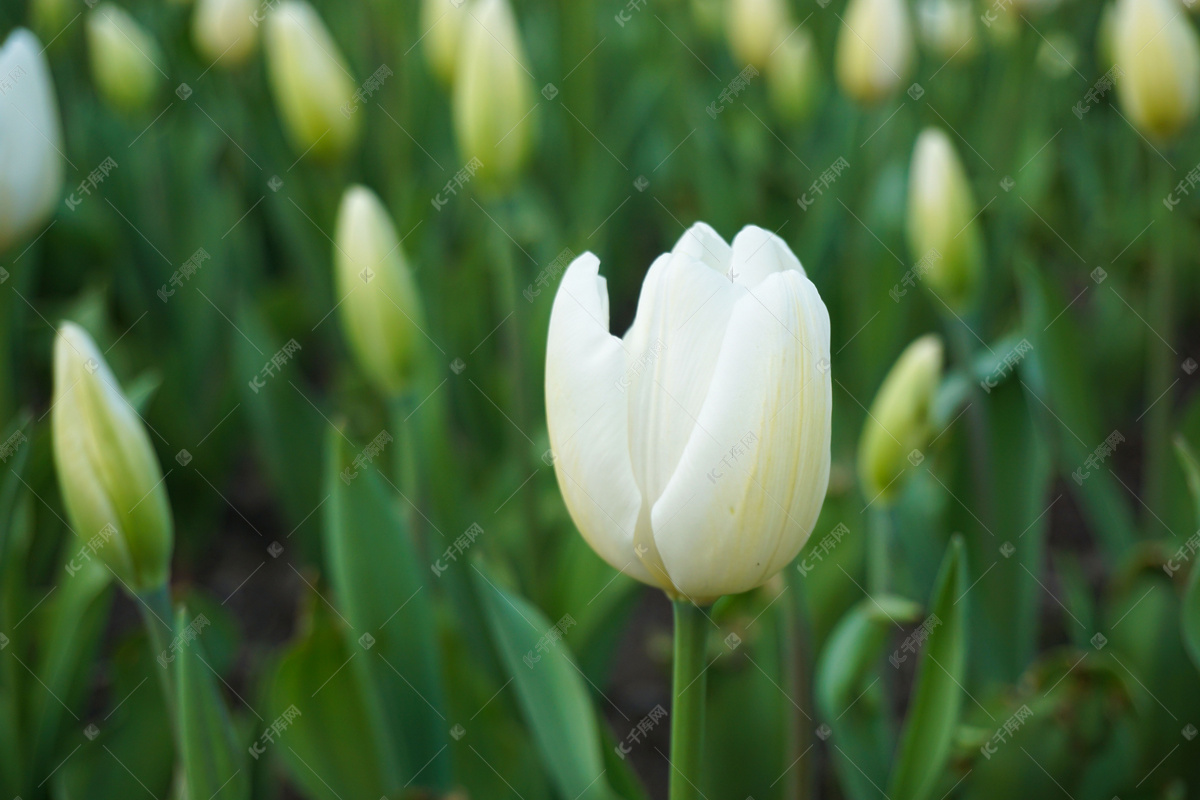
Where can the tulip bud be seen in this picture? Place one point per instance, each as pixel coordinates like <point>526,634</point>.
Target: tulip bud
<point>442,20</point>
<point>874,49</point>
<point>492,97</point>
<point>31,167</point>
<point>224,31</point>
<point>793,76</point>
<point>126,61</point>
<point>380,308</point>
<point>947,27</point>
<point>756,27</point>
<point>1157,49</point>
<point>942,229</point>
<point>310,81</point>
<point>49,17</point>
<point>898,425</point>
<point>109,476</point>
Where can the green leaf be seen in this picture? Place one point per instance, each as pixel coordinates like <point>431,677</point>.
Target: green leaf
<point>850,696</point>
<point>214,765</point>
<point>1190,614</point>
<point>310,676</point>
<point>937,694</point>
<point>550,690</point>
<point>388,611</point>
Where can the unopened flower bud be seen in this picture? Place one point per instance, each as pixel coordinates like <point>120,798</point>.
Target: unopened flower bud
<point>793,76</point>
<point>1157,50</point>
<point>225,31</point>
<point>897,427</point>
<point>108,473</point>
<point>947,27</point>
<point>756,27</point>
<point>442,21</point>
<point>312,87</point>
<point>127,64</point>
<point>943,233</point>
<point>380,310</point>
<point>874,49</point>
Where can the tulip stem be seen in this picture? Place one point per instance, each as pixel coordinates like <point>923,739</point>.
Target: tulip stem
<point>879,542</point>
<point>687,707</point>
<point>155,606</point>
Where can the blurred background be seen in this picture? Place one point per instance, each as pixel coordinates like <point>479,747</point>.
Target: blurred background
<point>361,635</point>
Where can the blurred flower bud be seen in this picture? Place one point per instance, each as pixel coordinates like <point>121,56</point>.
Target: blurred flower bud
<point>313,88</point>
<point>224,31</point>
<point>126,61</point>
<point>380,308</point>
<point>874,49</point>
<point>110,479</point>
<point>49,17</point>
<point>492,96</point>
<point>31,166</point>
<point>1157,51</point>
<point>793,76</point>
<point>947,27</point>
<point>898,428</point>
<point>756,27</point>
<point>1106,37</point>
<point>442,21</point>
<point>1057,55</point>
<point>942,230</point>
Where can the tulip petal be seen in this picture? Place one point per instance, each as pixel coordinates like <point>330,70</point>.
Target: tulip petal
<point>705,245</point>
<point>757,254</point>
<point>752,478</point>
<point>588,418</point>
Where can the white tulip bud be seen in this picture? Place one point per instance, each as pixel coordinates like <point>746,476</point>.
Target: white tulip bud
<point>442,21</point>
<point>109,476</point>
<point>1155,46</point>
<point>310,81</point>
<point>898,426</point>
<point>379,305</point>
<point>756,27</point>
<point>793,76</point>
<point>694,454</point>
<point>874,49</point>
<point>947,27</point>
<point>31,162</point>
<point>943,232</point>
<point>127,64</point>
<point>492,93</point>
<point>224,31</point>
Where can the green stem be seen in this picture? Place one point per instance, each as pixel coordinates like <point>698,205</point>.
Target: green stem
<point>158,617</point>
<point>879,537</point>
<point>978,427</point>
<point>1160,358</point>
<point>401,408</point>
<point>795,638</point>
<point>687,707</point>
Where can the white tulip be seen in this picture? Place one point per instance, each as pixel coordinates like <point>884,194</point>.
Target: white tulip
<point>874,49</point>
<point>693,454</point>
<point>1156,47</point>
<point>31,162</point>
<point>225,31</point>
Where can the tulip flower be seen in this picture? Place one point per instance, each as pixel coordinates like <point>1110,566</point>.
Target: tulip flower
<point>793,76</point>
<point>225,31</point>
<point>693,454</point>
<point>756,27</point>
<point>109,476</point>
<point>492,94</point>
<point>310,81</point>
<point>126,61</point>
<point>942,229</point>
<point>442,21</point>
<point>947,27</point>
<point>380,309</point>
<point>898,427</point>
<point>1156,48</point>
<point>31,162</point>
<point>874,49</point>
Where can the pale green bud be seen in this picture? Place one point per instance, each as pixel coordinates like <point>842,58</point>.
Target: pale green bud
<point>493,96</point>
<point>225,32</point>
<point>1157,51</point>
<point>793,76</point>
<point>31,162</point>
<point>947,27</point>
<point>943,233</point>
<point>50,17</point>
<point>379,306</point>
<point>898,425</point>
<point>874,49</point>
<point>127,64</point>
<point>756,27</point>
<point>310,81</point>
<point>442,21</point>
<point>110,479</point>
